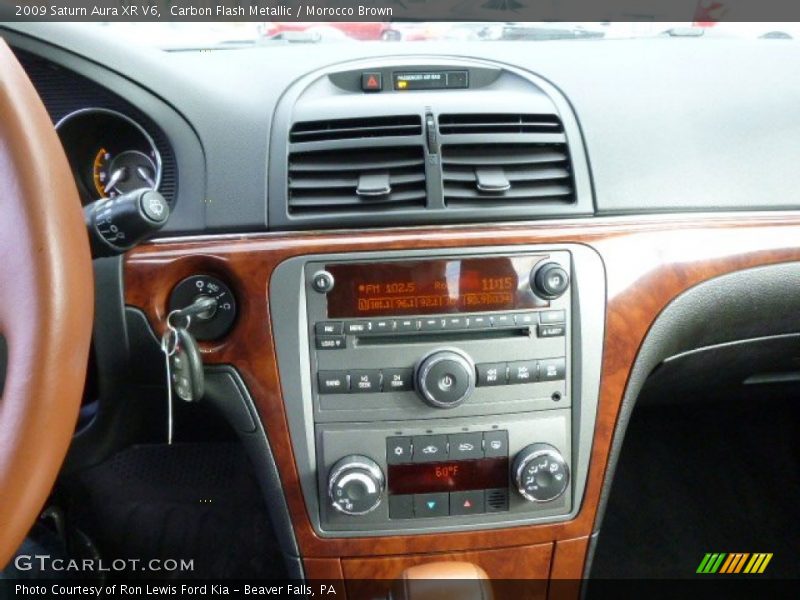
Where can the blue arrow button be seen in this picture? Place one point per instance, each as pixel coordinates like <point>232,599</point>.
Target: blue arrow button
<point>431,505</point>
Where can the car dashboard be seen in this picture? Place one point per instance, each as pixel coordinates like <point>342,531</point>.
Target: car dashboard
<point>447,269</point>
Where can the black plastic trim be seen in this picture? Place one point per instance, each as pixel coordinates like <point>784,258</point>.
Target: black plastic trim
<point>114,421</point>
<point>257,446</point>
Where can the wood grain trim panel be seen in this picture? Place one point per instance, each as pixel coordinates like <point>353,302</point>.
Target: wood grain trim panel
<point>566,569</point>
<point>327,572</point>
<point>648,262</point>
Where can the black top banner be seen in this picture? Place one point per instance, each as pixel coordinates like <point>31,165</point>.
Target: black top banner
<point>648,11</point>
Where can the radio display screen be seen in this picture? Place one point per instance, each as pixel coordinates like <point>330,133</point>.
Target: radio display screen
<point>451,476</point>
<point>422,287</point>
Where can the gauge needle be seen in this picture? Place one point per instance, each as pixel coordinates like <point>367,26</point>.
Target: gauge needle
<point>144,174</point>
<point>114,180</point>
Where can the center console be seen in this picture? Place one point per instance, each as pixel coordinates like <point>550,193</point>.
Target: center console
<point>440,390</point>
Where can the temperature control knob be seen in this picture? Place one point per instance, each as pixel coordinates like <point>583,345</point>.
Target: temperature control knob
<point>445,378</point>
<point>540,473</point>
<point>355,485</point>
<point>549,281</point>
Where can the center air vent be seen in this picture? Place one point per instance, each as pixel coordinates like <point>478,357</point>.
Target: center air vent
<point>499,123</point>
<point>343,129</point>
<point>357,180</point>
<point>506,147</point>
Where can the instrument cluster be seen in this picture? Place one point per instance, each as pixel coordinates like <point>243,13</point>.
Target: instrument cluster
<point>109,153</point>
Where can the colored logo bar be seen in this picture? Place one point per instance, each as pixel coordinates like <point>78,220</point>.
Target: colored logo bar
<point>735,562</point>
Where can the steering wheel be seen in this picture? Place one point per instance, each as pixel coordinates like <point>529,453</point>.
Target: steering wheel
<point>46,304</point>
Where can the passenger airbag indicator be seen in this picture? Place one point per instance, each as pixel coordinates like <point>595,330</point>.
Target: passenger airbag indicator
<point>430,80</point>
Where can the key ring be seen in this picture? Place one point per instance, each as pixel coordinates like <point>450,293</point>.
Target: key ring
<point>175,314</point>
<point>169,342</point>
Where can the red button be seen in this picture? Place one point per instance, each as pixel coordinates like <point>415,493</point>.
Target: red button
<point>371,82</point>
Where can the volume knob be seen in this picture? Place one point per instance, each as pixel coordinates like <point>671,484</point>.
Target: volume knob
<point>355,485</point>
<point>445,378</point>
<point>540,473</point>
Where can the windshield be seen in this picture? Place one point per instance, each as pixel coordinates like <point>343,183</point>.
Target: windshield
<point>193,35</point>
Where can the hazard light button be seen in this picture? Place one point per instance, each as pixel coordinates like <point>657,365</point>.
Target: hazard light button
<point>371,81</point>
<point>467,503</point>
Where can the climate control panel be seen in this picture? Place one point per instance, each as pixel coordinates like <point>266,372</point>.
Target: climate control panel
<point>445,472</point>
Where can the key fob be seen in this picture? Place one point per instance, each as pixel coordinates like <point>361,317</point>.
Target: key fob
<point>187,368</point>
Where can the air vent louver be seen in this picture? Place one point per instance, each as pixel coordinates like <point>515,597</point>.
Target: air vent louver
<point>357,180</point>
<point>511,174</point>
<point>342,129</point>
<point>498,123</point>
<point>504,160</point>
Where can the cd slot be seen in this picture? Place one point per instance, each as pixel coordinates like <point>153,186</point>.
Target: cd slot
<point>441,336</point>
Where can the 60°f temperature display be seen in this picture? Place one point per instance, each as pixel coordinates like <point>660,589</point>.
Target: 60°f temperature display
<point>432,286</point>
<point>453,476</point>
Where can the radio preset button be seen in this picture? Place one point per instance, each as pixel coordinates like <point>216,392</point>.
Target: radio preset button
<point>526,319</point>
<point>406,325</point>
<point>398,380</point>
<point>365,381</point>
<point>332,382</point>
<point>552,369</point>
<point>357,327</point>
<point>382,326</point>
<point>329,328</point>
<point>522,371</point>
<point>431,324</point>
<point>331,342</point>
<point>452,323</point>
<point>465,446</point>
<point>492,374</point>
<point>546,331</point>
<point>495,443</point>
<point>479,322</point>
<point>502,321</point>
<point>429,448</point>
<point>548,317</point>
<point>398,450</point>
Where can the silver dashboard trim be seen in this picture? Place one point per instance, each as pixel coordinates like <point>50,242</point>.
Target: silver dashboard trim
<point>288,289</point>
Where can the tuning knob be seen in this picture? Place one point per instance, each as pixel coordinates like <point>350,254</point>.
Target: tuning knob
<point>355,485</point>
<point>549,281</point>
<point>540,472</point>
<point>445,378</point>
